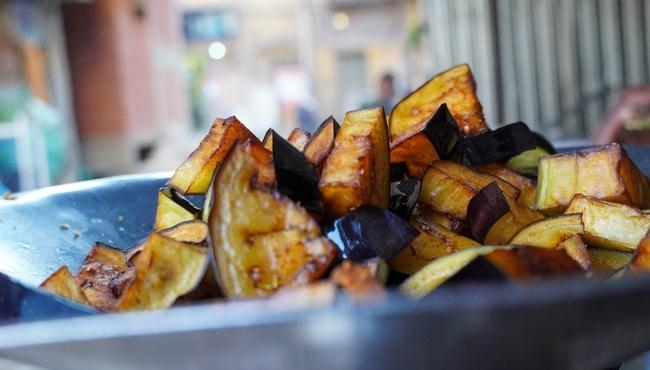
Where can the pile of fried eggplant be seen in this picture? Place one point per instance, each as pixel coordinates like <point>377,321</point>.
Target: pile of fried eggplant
<point>422,196</point>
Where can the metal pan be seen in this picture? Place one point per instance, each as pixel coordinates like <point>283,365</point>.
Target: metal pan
<point>556,324</point>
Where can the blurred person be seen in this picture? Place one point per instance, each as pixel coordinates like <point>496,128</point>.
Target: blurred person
<point>628,121</point>
<point>387,93</point>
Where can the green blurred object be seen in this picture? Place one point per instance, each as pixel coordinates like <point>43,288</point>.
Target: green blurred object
<point>14,101</point>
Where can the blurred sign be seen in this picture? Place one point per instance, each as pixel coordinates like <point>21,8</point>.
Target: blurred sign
<point>209,25</point>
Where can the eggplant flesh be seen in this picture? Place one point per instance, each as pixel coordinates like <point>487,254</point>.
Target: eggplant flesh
<point>370,232</point>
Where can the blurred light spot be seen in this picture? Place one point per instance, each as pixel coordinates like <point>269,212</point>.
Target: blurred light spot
<point>217,50</point>
<point>340,21</point>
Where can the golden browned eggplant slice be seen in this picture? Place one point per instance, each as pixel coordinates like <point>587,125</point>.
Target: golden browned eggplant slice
<point>357,171</point>
<point>193,231</point>
<point>321,143</point>
<point>64,284</point>
<point>607,261</point>
<point>165,270</point>
<point>511,223</point>
<point>610,225</point>
<point>433,242</point>
<point>102,275</point>
<point>262,241</point>
<point>550,232</point>
<point>193,176</point>
<point>173,208</point>
<point>576,248</point>
<point>456,88</point>
<point>416,152</point>
<point>604,172</point>
<point>436,272</point>
<point>299,138</point>
<point>447,187</point>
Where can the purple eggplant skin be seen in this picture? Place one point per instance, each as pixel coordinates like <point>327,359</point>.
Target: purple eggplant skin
<point>403,196</point>
<point>370,232</point>
<point>296,177</point>
<point>498,145</point>
<point>484,209</point>
<point>443,132</point>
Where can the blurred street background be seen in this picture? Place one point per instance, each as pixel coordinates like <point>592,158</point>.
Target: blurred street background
<point>104,87</point>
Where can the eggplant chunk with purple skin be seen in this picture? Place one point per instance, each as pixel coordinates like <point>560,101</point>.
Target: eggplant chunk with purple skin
<point>448,187</point>
<point>357,171</point>
<point>434,241</point>
<point>262,240</point>
<point>370,232</point>
<point>321,143</point>
<point>193,176</point>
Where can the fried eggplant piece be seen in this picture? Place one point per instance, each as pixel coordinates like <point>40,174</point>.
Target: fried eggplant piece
<point>193,231</point>
<point>357,171</point>
<point>607,261</point>
<point>262,241</point>
<point>322,142</point>
<point>610,225</point>
<point>527,187</point>
<point>525,263</point>
<point>511,223</point>
<point>604,172</point>
<point>550,232</point>
<point>434,241</point>
<point>436,272</point>
<point>165,270</point>
<point>361,278</point>
<point>193,176</point>
<point>299,138</point>
<point>102,275</point>
<point>576,248</point>
<point>455,87</point>
<point>296,177</point>
<point>416,152</point>
<point>63,283</point>
<point>448,187</point>
<point>173,208</point>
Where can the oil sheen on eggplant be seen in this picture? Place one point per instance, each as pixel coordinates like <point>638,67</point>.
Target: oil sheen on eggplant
<point>370,232</point>
<point>296,177</point>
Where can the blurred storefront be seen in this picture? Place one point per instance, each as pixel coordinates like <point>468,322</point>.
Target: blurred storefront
<point>128,80</point>
<point>291,63</point>
<point>38,141</point>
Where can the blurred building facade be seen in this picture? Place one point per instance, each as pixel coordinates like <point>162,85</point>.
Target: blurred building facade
<point>132,79</point>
